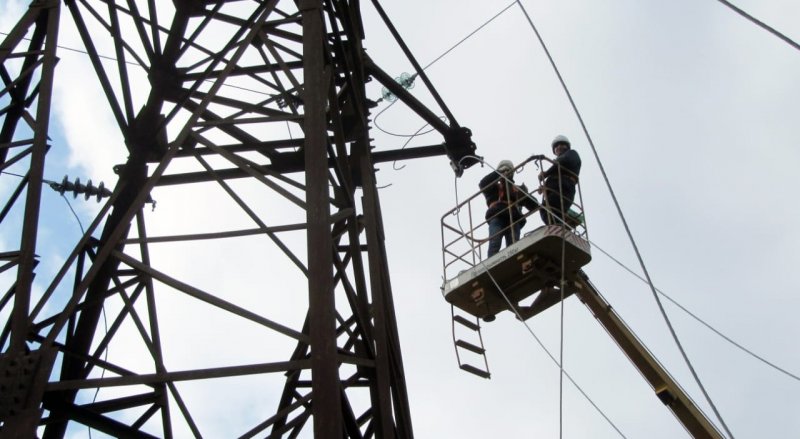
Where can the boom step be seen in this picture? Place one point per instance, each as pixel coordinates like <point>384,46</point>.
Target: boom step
<point>467,328</point>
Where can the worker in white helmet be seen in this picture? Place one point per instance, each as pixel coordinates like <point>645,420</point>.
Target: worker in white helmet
<point>559,181</point>
<point>503,213</point>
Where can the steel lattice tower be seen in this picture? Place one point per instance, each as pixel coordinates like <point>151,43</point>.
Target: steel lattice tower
<point>219,77</point>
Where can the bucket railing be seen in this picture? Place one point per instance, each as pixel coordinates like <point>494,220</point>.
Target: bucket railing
<point>465,228</point>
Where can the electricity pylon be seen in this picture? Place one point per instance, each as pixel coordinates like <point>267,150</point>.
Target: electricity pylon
<point>202,93</point>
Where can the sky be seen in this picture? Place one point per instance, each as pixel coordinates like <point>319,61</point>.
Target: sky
<point>693,112</point>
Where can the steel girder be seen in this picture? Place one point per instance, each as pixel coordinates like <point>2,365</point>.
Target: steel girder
<point>197,89</point>
<point>27,63</point>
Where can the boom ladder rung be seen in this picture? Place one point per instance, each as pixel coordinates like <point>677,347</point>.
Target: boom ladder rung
<point>466,323</point>
<point>474,370</point>
<point>470,347</point>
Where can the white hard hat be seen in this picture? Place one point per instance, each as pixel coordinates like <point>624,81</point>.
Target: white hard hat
<point>560,139</point>
<point>505,164</point>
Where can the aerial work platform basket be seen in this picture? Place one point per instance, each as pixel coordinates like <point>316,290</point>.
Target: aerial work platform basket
<point>520,270</point>
<point>474,282</point>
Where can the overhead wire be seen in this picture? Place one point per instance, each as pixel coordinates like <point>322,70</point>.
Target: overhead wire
<point>111,58</point>
<point>434,61</point>
<point>697,318</point>
<point>625,224</point>
<point>469,35</point>
<point>77,218</point>
<point>519,317</point>
<point>761,24</point>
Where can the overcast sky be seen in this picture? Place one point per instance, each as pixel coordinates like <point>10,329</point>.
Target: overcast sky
<point>694,114</point>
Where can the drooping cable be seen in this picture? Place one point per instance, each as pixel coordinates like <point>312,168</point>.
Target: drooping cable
<point>761,24</point>
<point>683,308</point>
<point>519,317</point>
<point>680,306</point>
<point>410,138</point>
<point>697,318</point>
<point>625,224</point>
<point>80,224</point>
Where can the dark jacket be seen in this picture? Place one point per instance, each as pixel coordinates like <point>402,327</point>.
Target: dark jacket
<point>570,163</point>
<point>498,192</point>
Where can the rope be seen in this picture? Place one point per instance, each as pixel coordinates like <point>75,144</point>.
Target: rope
<point>761,24</point>
<point>625,224</point>
<point>410,138</point>
<point>80,224</point>
<point>562,286</point>
<point>558,363</point>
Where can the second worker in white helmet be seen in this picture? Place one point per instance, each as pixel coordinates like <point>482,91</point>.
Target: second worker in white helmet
<point>559,181</point>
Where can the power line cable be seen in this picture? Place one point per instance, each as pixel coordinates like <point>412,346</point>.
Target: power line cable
<point>437,59</point>
<point>625,224</point>
<point>20,175</point>
<point>761,24</point>
<point>469,35</point>
<point>111,58</point>
<point>697,318</point>
<point>106,57</point>
<point>80,224</point>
